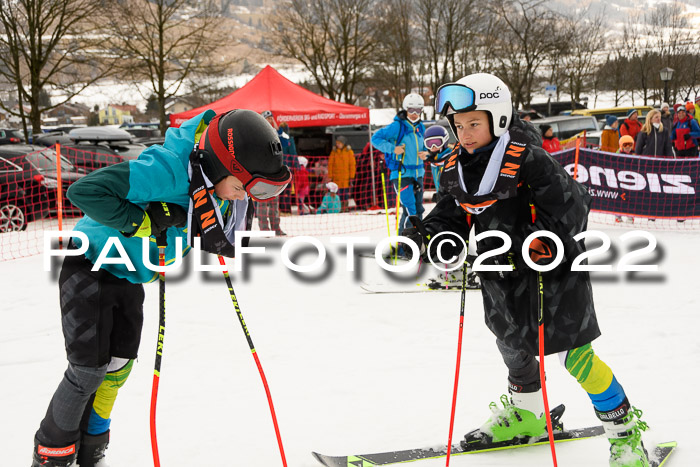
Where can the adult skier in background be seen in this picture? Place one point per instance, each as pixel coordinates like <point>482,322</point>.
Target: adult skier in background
<point>402,144</point>
<point>102,310</point>
<point>501,179</point>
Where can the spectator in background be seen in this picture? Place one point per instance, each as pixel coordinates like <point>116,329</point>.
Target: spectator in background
<point>610,138</point>
<point>626,145</point>
<point>666,118</point>
<point>685,130</point>
<point>362,188</point>
<point>331,201</point>
<point>549,142</point>
<point>301,185</point>
<point>268,212</point>
<point>341,169</point>
<point>436,139</point>
<point>631,125</point>
<point>404,150</point>
<point>653,139</point>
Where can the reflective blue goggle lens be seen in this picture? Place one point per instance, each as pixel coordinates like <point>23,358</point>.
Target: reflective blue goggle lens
<point>457,96</point>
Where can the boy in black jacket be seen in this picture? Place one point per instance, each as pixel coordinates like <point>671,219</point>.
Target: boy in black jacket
<point>499,178</point>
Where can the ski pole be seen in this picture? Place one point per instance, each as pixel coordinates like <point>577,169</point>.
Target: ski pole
<point>161,242</point>
<point>459,358</point>
<point>255,357</point>
<point>540,320</point>
<point>386,206</point>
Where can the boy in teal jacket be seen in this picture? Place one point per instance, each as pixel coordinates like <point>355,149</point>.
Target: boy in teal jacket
<point>182,189</point>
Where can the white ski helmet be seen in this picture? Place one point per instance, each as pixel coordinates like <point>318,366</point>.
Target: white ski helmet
<point>479,91</point>
<point>413,101</point>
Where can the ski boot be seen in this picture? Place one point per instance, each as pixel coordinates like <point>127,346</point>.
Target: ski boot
<point>623,428</point>
<point>520,420</point>
<point>61,456</point>
<point>92,449</point>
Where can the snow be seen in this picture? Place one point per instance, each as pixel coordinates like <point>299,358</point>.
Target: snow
<point>349,372</point>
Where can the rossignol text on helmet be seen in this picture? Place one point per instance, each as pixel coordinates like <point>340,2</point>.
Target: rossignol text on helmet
<point>243,144</point>
<point>435,138</point>
<point>480,91</point>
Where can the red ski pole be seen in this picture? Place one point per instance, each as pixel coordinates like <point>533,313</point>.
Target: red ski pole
<point>540,319</point>
<point>255,357</point>
<point>459,358</point>
<point>162,242</point>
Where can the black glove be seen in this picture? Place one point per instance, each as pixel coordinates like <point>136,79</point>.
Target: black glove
<point>163,215</point>
<point>509,259</point>
<point>686,136</point>
<point>448,247</point>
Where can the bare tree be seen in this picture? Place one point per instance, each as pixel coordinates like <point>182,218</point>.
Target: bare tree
<point>581,34</point>
<point>168,42</point>
<point>397,59</point>
<point>331,38</point>
<point>48,44</point>
<point>448,27</point>
<point>522,37</point>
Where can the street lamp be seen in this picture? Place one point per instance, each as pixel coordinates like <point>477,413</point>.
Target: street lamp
<point>666,76</point>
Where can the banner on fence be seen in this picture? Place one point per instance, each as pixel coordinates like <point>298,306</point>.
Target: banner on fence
<point>640,186</point>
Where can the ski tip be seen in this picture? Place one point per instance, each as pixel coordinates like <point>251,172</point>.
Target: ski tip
<point>669,444</point>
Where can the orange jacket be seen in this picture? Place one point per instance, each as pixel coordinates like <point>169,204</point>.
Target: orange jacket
<point>341,166</point>
<point>609,140</point>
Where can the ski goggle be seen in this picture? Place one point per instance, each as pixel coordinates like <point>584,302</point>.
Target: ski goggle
<point>457,96</point>
<point>435,143</point>
<point>414,110</point>
<point>259,187</point>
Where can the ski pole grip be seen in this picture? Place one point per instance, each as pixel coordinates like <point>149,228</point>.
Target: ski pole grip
<point>162,239</point>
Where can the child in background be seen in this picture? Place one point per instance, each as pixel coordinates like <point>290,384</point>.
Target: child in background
<point>301,183</point>
<point>626,145</point>
<point>435,140</point>
<point>331,201</point>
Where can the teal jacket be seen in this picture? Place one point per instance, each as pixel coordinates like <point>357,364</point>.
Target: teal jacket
<point>411,136</point>
<point>113,199</point>
<point>330,204</point>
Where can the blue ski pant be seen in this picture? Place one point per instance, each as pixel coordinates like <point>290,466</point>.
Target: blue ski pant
<point>411,199</point>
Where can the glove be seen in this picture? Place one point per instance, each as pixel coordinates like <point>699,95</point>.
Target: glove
<point>158,216</point>
<point>686,136</point>
<point>421,236</point>
<point>509,259</point>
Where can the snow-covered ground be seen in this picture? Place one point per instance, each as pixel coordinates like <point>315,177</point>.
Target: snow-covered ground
<point>349,372</point>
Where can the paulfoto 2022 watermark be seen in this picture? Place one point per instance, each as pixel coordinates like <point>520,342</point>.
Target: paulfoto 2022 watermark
<point>578,264</point>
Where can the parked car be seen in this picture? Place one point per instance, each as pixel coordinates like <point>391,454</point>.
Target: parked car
<point>565,126</point>
<point>11,136</point>
<point>91,148</point>
<point>39,164</point>
<point>23,197</point>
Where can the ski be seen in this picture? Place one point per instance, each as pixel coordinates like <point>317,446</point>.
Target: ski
<point>432,286</point>
<point>658,457</point>
<point>661,453</point>
<point>396,457</point>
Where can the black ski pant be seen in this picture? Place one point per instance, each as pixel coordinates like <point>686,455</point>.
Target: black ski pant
<point>102,317</point>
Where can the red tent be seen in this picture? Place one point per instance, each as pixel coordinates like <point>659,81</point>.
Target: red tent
<point>289,102</point>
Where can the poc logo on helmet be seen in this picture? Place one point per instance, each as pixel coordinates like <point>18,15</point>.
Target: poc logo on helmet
<point>488,95</point>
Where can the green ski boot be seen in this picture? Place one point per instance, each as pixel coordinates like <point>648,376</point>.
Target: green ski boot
<point>521,417</point>
<point>624,428</point>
